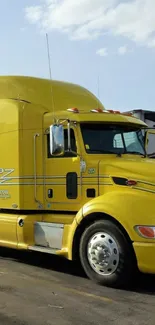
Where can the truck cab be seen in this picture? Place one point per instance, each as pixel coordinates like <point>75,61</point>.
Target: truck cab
<point>75,179</point>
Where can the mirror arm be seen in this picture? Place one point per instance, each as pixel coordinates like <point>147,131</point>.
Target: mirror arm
<point>69,136</point>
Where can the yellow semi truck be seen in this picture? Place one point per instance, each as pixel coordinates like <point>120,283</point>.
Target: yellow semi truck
<point>75,179</point>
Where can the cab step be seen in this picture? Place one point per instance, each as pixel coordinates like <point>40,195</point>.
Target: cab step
<point>43,249</point>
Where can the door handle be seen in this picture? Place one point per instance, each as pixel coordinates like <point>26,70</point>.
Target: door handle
<point>50,193</point>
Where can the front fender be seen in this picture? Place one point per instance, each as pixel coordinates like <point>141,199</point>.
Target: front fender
<point>128,207</point>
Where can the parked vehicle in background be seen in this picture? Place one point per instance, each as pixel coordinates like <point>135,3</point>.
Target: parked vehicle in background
<point>148,117</point>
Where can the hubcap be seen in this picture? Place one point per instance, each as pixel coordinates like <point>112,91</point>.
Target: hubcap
<point>103,253</point>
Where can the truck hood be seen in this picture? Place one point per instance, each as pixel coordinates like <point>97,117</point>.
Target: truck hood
<point>140,169</point>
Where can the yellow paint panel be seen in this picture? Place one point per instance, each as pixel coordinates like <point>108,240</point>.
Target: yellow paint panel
<point>11,114</point>
<point>65,219</point>
<point>25,234</point>
<point>8,230</point>
<point>9,170</point>
<point>145,253</point>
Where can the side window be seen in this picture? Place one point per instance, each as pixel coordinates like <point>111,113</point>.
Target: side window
<point>130,138</point>
<point>73,145</point>
<point>131,142</point>
<point>118,142</point>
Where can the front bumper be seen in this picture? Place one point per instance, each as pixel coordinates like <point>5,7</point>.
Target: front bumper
<point>145,254</point>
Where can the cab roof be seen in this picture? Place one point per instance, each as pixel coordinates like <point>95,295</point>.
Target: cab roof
<point>39,92</point>
<point>66,95</point>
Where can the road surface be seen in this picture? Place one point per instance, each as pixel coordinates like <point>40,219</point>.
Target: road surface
<point>39,289</point>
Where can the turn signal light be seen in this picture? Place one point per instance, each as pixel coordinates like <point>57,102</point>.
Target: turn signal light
<point>73,110</point>
<point>131,182</point>
<point>146,231</point>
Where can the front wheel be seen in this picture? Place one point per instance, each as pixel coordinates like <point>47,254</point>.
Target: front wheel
<point>106,255</point>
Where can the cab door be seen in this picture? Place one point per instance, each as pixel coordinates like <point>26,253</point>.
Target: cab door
<point>150,142</point>
<point>63,185</point>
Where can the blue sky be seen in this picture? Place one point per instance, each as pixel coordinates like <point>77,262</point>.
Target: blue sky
<point>112,39</point>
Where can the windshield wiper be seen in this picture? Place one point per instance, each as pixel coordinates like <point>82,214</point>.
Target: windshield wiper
<point>106,152</point>
<point>102,151</point>
<point>135,153</point>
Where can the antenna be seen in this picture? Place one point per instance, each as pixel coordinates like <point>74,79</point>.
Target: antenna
<point>98,89</point>
<point>50,73</point>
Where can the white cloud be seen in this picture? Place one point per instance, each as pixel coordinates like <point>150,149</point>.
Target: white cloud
<point>122,50</point>
<point>33,14</point>
<point>151,43</point>
<point>87,19</point>
<point>102,52</point>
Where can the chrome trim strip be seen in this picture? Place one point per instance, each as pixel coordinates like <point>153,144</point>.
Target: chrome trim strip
<point>143,189</point>
<point>32,177</point>
<point>50,177</point>
<point>106,184</point>
<point>33,184</point>
<point>35,178</point>
<point>53,202</point>
<point>145,182</point>
<point>54,184</point>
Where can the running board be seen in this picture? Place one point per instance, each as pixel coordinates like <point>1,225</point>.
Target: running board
<point>43,249</point>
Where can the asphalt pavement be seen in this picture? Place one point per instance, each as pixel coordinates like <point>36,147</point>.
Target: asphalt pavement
<point>38,289</point>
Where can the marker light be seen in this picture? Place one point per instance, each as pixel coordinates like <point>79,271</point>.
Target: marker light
<point>131,182</point>
<point>114,112</point>
<point>73,110</point>
<point>146,231</point>
<point>97,110</point>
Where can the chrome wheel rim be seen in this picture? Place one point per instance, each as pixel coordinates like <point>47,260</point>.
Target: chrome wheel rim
<point>103,253</point>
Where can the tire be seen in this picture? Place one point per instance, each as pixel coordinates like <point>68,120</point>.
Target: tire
<point>104,242</point>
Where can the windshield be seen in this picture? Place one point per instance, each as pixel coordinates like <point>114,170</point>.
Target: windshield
<point>114,139</point>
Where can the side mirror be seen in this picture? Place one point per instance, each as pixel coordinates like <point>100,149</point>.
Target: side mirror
<point>149,142</point>
<point>57,143</point>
